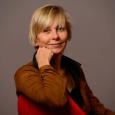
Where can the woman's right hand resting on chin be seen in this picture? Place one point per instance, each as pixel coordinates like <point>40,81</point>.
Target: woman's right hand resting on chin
<point>43,56</point>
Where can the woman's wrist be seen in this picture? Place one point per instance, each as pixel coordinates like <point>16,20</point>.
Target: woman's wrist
<point>43,64</point>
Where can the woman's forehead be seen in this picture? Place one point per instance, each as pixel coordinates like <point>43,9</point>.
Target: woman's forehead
<point>55,22</point>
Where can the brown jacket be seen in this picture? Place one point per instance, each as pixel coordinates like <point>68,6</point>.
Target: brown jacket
<point>45,86</point>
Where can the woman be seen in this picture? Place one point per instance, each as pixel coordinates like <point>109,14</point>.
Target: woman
<point>51,76</point>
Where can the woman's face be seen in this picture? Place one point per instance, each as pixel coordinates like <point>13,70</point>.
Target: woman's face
<point>53,37</point>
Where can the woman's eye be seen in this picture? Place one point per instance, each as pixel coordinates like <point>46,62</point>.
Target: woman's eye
<point>46,30</point>
<point>61,29</point>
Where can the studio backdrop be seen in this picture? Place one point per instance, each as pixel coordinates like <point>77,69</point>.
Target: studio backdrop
<point>92,44</point>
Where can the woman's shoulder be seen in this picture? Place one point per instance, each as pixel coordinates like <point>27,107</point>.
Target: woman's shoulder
<point>25,67</point>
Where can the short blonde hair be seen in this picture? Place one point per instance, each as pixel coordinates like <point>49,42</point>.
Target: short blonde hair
<point>43,17</point>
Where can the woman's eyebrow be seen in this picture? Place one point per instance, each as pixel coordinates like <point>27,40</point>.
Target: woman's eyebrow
<point>48,27</point>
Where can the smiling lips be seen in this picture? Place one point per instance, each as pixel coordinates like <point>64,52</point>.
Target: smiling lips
<point>56,44</point>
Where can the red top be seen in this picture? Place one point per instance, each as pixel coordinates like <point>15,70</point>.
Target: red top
<point>26,107</point>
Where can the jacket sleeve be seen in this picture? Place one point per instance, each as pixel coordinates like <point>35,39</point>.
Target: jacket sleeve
<point>43,86</point>
<point>96,106</point>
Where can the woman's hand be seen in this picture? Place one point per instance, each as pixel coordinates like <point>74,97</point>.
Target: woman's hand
<point>43,56</point>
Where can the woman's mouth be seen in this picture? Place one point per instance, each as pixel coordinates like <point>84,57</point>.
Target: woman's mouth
<point>56,44</point>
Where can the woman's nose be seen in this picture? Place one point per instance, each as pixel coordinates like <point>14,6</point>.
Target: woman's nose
<point>55,34</point>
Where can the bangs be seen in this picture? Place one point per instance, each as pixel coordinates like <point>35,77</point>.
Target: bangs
<point>49,17</point>
<point>61,20</point>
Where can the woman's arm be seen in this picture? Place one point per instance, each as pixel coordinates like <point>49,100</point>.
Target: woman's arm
<point>42,86</point>
<point>97,107</point>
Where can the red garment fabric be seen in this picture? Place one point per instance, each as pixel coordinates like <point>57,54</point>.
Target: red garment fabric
<point>26,107</point>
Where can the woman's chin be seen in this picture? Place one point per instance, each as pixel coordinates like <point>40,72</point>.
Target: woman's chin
<point>57,51</point>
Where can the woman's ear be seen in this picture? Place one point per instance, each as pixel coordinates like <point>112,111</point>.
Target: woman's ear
<point>36,42</point>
